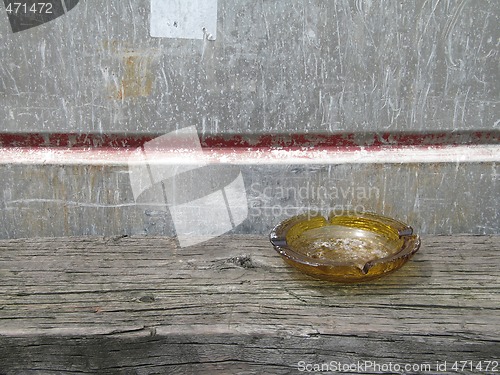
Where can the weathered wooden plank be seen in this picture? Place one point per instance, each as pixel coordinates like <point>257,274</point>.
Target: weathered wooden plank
<point>143,305</point>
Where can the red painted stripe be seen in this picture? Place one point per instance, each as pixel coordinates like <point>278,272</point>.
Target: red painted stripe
<point>295,140</point>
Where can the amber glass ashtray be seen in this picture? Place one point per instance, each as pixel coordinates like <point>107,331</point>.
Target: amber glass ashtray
<point>348,248</point>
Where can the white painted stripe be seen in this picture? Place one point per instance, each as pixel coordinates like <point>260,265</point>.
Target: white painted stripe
<point>382,155</point>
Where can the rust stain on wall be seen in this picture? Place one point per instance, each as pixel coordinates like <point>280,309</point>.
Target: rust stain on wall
<point>128,70</point>
<point>137,80</point>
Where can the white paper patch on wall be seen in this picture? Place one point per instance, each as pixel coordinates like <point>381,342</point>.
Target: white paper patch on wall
<point>187,19</point>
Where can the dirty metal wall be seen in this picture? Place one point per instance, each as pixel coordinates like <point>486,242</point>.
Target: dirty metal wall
<point>276,66</point>
<point>96,200</point>
<point>392,71</point>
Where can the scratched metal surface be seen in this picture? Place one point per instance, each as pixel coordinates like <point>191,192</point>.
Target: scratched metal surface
<point>440,198</point>
<point>276,66</point>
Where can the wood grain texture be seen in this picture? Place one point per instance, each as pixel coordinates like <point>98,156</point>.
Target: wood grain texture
<point>142,305</point>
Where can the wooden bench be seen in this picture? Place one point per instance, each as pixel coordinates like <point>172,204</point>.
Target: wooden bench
<point>142,305</point>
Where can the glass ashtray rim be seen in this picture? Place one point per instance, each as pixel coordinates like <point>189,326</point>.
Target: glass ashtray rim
<point>278,234</point>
